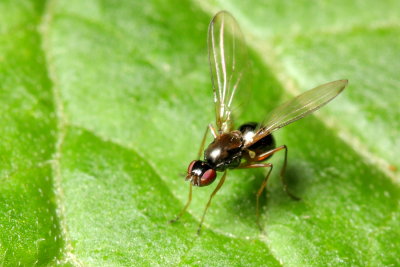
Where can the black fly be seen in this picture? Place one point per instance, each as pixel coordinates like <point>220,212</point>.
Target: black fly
<point>252,143</point>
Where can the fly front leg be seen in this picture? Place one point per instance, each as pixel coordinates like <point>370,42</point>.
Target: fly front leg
<point>262,187</point>
<point>283,170</point>
<point>221,182</point>
<point>201,151</point>
<point>185,207</point>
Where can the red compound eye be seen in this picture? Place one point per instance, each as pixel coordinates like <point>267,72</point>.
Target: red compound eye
<point>190,167</point>
<point>208,177</point>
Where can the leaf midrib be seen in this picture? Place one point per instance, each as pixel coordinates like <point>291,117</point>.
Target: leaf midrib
<point>66,253</point>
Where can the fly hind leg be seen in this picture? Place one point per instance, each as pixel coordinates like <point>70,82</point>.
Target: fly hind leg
<point>262,187</point>
<point>267,154</point>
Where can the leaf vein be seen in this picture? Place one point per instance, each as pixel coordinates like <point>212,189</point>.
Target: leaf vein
<point>44,32</point>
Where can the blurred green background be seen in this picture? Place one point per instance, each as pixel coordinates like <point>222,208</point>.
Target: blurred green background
<point>103,105</point>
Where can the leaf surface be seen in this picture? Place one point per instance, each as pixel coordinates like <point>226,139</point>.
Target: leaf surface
<point>104,104</point>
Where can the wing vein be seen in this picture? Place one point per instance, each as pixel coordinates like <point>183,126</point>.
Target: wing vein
<point>223,62</point>
<point>216,63</point>
<point>299,107</point>
<point>228,63</point>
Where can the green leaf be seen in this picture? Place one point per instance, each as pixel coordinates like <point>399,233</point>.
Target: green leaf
<point>103,105</point>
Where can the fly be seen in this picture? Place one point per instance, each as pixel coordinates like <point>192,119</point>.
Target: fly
<point>251,144</point>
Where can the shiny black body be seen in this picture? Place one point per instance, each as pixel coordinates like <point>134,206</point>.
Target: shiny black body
<point>228,149</point>
<point>263,145</point>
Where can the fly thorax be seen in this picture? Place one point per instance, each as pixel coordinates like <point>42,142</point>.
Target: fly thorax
<point>225,151</point>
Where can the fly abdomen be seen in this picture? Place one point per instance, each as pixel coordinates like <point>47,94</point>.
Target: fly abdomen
<point>265,144</point>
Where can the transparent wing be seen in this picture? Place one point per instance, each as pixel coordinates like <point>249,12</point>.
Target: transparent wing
<point>228,63</point>
<point>299,107</point>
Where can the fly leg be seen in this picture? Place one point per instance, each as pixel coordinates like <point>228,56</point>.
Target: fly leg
<point>203,141</point>
<point>185,207</point>
<point>221,182</point>
<point>262,187</point>
<point>267,154</point>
